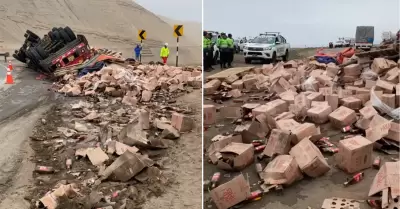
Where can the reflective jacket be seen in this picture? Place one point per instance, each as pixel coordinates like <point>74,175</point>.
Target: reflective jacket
<point>222,43</point>
<point>230,42</point>
<point>164,52</point>
<point>207,43</point>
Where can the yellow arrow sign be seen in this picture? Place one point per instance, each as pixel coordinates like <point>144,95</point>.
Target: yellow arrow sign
<point>142,35</point>
<point>178,30</point>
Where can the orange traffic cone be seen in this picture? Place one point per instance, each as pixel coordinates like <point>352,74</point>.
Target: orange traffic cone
<point>9,78</point>
<point>10,65</point>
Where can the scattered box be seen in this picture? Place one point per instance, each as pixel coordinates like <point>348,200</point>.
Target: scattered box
<point>302,131</point>
<point>211,86</point>
<point>278,143</point>
<point>380,65</point>
<point>287,124</point>
<point>352,103</point>
<point>288,96</point>
<point>398,95</point>
<point>249,82</point>
<point>231,112</point>
<point>231,193</point>
<point>309,158</point>
<point>235,93</point>
<point>394,132</point>
<point>209,114</point>
<point>352,70</point>
<point>379,127</point>
<point>315,96</point>
<point>236,156</point>
<point>389,100</point>
<point>237,84</point>
<point>319,113</point>
<point>387,182</point>
<point>282,170</point>
<point>181,122</point>
<point>124,167</point>
<point>219,142</point>
<point>342,117</point>
<point>369,84</point>
<point>355,154</point>
<point>384,86</point>
<point>333,101</point>
<point>97,156</point>
<point>368,112</point>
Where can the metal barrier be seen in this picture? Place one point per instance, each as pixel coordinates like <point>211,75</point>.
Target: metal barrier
<point>5,55</point>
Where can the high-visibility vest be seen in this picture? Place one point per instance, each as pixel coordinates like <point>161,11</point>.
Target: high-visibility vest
<point>222,43</point>
<point>230,42</point>
<point>164,52</point>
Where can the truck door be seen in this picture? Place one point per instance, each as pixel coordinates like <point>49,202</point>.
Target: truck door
<point>280,46</point>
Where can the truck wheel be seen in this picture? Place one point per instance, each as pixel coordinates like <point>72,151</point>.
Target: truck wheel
<point>285,58</point>
<point>273,60</point>
<point>18,58</point>
<point>32,34</point>
<point>57,36</point>
<point>42,52</point>
<point>247,61</point>
<point>70,33</point>
<point>54,29</point>
<point>64,36</point>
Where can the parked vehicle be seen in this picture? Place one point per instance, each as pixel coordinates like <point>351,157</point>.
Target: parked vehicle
<point>267,47</point>
<point>339,44</point>
<point>60,47</point>
<point>330,45</point>
<point>236,46</point>
<point>364,37</point>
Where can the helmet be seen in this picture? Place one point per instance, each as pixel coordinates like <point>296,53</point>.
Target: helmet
<point>166,44</point>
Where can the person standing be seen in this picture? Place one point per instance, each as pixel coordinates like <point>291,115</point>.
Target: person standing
<point>164,53</point>
<point>206,51</point>
<point>223,50</point>
<point>231,50</point>
<point>138,50</point>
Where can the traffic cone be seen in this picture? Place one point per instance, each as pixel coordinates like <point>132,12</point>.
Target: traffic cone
<point>10,65</point>
<point>9,78</point>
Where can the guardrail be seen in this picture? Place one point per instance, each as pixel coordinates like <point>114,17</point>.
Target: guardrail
<point>5,55</point>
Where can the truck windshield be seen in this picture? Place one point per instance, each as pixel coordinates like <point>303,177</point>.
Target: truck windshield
<point>264,40</point>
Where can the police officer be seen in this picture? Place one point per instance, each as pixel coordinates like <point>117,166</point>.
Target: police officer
<point>223,50</point>
<point>231,50</point>
<point>206,51</point>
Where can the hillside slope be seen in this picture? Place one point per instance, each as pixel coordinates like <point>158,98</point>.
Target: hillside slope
<point>106,23</point>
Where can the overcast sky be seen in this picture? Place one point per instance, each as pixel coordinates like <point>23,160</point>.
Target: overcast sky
<point>301,22</point>
<point>183,10</point>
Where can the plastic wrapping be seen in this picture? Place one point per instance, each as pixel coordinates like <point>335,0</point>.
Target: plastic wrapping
<point>308,85</point>
<point>368,74</point>
<point>378,104</point>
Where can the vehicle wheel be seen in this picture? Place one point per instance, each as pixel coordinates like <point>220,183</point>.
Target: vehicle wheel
<point>57,36</point>
<point>42,52</point>
<point>285,58</point>
<point>18,58</point>
<point>247,61</point>
<point>273,60</point>
<point>64,36</point>
<point>32,34</point>
<point>54,29</point>
<point>70,33</point>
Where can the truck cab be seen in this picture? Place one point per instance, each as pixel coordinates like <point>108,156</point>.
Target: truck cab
<point>364,37</point>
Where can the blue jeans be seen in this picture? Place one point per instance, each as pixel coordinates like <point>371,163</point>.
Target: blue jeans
<point>137,56</point>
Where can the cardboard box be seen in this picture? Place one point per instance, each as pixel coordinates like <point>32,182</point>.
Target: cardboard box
<point>209,114</point>
<point>211,86</point>
<point>343,93</point>
<point>380,65</point>
<point>181,122</point>
<point>301,104</point>
<point>355,154</point>
<point>231,112</point>
<point>282,170</point>
<point>315,96</point>
<point>319,103</point>
<point>384,86</point>
<point>319,114</point>
<point>272,108</point>
<point>326,91</point>
<point>379,127</point>
<point>352,70</point>
<point>235,93</point>
<point>125,167</point>
<point>352,103</point>
<point>285,115</point>
<point>389,100</point>
<point>368,112</point>
<point>288,96</point>
<point>278,143</point>
<point>363,123</point>
<point>231,78</point>
<point>333,101</point>
<point>287,124</point>
<point>369,84</point>
<point>231,192</point>
<point>236,156</point>
<point>398,95</point>
<point>237,84</point>
<point>219,142</point>
<point>387,179</point>
<point>342,117</point>
<point>249,83</point>
<point>332,69</point>
<point>309,158</point>
<point>302,131</point>
<point>394,132</point>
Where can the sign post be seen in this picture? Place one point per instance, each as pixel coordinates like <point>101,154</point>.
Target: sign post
<point>178,31</point>
<point>141,36</point>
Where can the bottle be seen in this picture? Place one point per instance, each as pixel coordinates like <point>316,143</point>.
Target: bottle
<point>256,195</point>
<point>214,180</point>
<point>355,179</point>
<point>377,163</point>
<point>260,148</point>
<point>68,163</point>
<point>44,169</point>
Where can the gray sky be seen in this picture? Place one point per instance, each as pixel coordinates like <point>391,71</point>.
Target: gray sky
<point>301,22</point>
<point>183,10</point>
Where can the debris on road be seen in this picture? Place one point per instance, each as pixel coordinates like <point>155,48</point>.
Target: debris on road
<point>112,131</point>
<point>302,114</point>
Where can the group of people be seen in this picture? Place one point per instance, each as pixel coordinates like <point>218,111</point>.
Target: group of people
<point>164,52</point>
<point>225,45</point>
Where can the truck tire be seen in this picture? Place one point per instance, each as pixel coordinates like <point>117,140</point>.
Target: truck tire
<point>70,33</point>
<point>42,52</point>
<point>36,56</point>
<point>18,58</point>
<point>64,36</point>
<point>32,34</point>
<point>273,60</point>
<point>247,60</point>
<point>285,57</point>
<point>54,29</point>
<point>57,36</point>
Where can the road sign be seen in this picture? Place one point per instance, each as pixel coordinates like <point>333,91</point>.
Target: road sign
<point>142,34</point>
<point>178,30</point>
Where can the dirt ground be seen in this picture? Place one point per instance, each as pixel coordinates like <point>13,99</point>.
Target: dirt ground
<point>306,193</point>
<point>180,164</point>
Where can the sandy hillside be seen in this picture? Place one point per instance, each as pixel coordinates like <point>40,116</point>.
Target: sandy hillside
<point>106,23</point>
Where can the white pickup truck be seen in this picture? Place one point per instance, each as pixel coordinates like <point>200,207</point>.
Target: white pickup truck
<point>267,47</point>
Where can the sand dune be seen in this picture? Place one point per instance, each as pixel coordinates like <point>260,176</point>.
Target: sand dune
<point>105,23</point>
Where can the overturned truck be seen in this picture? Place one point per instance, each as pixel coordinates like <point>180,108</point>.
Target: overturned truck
<point>59,48</point>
